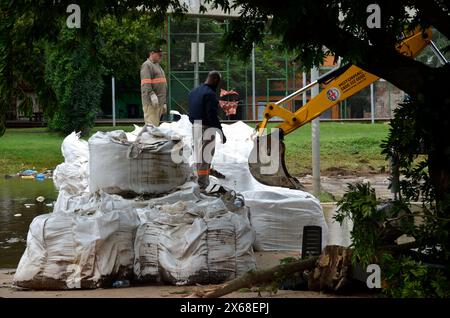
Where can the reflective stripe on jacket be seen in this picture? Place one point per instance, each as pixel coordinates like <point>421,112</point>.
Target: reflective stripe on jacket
<point>153,80</point>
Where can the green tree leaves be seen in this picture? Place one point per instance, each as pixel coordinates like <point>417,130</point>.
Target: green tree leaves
<point>76,78</point>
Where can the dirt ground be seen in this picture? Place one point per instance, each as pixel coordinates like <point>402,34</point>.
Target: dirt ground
<point>264,260</point>
<point>337,184</point>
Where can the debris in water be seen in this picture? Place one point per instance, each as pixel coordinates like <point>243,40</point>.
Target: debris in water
<point>28,172</point>
<point>28,205</point>
<point>40,199</point>
<point>40,177</point>
<point>17,215</point>
<point>13,240</point>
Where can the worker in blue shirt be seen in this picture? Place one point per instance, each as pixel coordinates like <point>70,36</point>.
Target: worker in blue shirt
<point>203,114</point>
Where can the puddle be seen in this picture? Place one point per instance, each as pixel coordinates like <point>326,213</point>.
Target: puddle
<point>18,207</point>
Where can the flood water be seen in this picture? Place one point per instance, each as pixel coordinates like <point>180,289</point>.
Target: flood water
<point>14,194</point>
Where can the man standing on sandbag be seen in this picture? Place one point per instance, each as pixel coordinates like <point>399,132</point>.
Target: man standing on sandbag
<point>153,88</point>
<point>203,113</point>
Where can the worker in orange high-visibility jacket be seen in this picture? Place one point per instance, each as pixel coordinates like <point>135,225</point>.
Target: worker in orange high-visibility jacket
<point>153,88</point>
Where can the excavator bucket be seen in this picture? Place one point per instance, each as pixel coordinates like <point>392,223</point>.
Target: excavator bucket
<point>266,162</point>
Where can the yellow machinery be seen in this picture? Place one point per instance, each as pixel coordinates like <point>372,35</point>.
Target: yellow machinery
<point>339,85</point>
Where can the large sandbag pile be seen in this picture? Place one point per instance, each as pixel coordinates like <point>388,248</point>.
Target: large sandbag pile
<point>93,238</point>
<point>278,215</point>
<point>89,240</point>
<point>187,238</point>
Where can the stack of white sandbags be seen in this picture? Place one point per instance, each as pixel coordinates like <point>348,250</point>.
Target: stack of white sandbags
<point>85,249</point>
<point>93,238</point>
<point>87,242</point>
<point>90,239</point>
<point>277,214</point>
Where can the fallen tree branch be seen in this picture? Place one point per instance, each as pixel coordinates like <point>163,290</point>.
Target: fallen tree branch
<point>268,275</point>
<point>258,277</point>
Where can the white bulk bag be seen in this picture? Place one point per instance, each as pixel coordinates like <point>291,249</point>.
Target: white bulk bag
<point>193,241</point>
<point>78,250</point>
<point>278,218</point>
<point>145,166</point>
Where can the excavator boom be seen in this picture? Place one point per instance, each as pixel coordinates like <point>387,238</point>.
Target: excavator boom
<point>266,161</point>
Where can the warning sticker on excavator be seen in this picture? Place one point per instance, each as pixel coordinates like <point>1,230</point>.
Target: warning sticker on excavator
<point>352,81</point>
<point>333,94</point>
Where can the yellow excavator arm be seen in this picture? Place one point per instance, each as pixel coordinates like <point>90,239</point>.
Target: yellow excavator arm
<point>339,85</point>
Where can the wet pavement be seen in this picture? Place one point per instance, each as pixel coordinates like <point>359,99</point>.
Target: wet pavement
<point>337,185</point>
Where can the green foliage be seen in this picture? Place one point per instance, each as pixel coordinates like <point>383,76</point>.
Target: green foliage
<point>124,44</point>
<point>35,44</point>
<point>410,145</point>
<point>403,276</point>
<point>359,205</point>
<point>410,142</point>
<point>325,196</point>
<point>306,26</point>
<point>288,260</point>
<point>75,77</point>
<point>6,87</point>
<point>407,278</point>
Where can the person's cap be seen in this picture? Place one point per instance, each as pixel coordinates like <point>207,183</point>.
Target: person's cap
<point>156,50</point>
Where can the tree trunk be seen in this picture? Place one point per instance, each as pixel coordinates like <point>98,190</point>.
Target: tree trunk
<point>333,271</point>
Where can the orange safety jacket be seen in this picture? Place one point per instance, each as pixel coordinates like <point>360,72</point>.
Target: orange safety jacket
<point>153,80</point>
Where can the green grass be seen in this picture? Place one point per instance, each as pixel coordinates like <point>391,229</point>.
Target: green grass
<point>36,148</point>
<point>344,148</point>
<point>347,147</point>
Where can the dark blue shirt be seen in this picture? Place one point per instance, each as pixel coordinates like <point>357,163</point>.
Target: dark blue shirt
<point>204,105</point>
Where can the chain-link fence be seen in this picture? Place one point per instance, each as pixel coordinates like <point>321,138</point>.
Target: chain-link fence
<point>277,75</point>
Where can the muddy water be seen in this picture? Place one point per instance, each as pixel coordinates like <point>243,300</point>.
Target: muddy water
<point>14,194</point>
